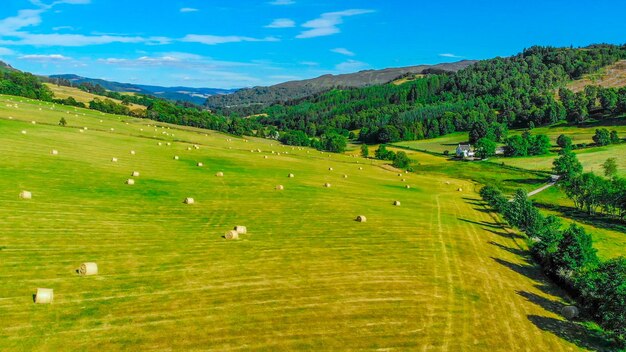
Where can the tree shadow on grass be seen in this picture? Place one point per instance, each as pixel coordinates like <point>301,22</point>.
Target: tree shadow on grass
<point>505,234</point>
<point>495,225</point>
<point>599,221</point>
<point>515,251</point>
<point>528,181</point>
<point>575,333</point>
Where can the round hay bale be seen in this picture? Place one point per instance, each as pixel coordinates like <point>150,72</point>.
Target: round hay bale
<point>291,175</point>
<point>88,269</point>
<point>447,182</point>
<point>26,195</point>
<point>361,218</point>
<point>168,143</point>
<point>407,186</point>
<point>34,122</point>
<point>231,235</point>
<point>132,152</point>
<point>159,143</point>
<point>196,146</point>
<point>175,157</point>
<point>44,296</point>
<point>81,131</point>
<point>345,176</point>
<point>188,148</point>
<point>403,180</point>
<point>460,189</point>
<point>240,229</point>
<point>399,174</point>
<point>135,174</point>
<point>570,312</point>
<point>327,185</point>
<point>280,187</point>
<point>112,129</point>
<point>189,201</point>
<point>23,132</point>
<point>113,160</point>
<point>219,174</point>
<point>130,181</point>
<point>200,164</point>
<point>54,152</point>
<point>330,169</point>
<point>360,168</point>
<point>396,203</point>
<point>265,157</point>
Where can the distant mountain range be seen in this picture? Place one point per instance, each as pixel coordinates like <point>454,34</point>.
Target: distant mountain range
<point>194,95</point>
<point>300,89</point>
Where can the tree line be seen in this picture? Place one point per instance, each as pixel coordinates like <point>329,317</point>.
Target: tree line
<point>567,255</point>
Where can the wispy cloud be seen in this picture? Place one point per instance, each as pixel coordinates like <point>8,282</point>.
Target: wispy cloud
<point>281,23</point>
<point>309,63</point>
<point>282,2</point>
<point>77,39</point>
<point>216,39</point>
<point>51,57</point>
<point>327,23</point>
<point>342,51</point>
<point>188,9</point>
<point>450,55</point>
<point>6,52</point>
<point>351,66</point>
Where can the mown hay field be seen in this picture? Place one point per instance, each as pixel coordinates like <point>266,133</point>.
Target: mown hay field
<point>437,273</point>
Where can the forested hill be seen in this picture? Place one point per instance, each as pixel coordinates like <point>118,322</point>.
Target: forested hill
<point>264,96</point>
<point>517,91</point>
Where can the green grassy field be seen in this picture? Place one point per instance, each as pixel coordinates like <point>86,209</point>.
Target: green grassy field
<point>62,92</point>
<point>437,273</point>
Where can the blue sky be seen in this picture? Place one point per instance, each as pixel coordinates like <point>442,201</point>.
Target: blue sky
<point>240,43</point>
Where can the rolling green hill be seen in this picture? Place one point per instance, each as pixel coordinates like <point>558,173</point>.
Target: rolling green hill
<point>436,273</point>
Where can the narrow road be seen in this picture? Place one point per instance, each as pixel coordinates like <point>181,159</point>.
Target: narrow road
<point>554,179</point>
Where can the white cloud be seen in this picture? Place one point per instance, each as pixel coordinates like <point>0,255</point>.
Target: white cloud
<point>281,23</point>
<point>309,63</point>
<point>51,57</point>
<point>350,66</point>
<point>188,9</point>
<point>216,39</point>
<point>327,23</point>
<point>343,51</point>
<point>6,52</point>
<point>450,55</point>
<point>75,39</point>
<point>282,2</point>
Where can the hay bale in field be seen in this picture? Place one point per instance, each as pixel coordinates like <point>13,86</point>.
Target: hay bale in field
<point>135,174</point>
<point>112,129</point>
<point>175,157</point>
<point>113,160</point>
<point>34,122</point>
<point>570,312</point>
<point>241,229</point>
<point>130,181</point>
<point>403,180</point>
<point>88,269</point>
<point>231,235</point>
<point>361,218</point>
<point>345,176</point>
<point>196,146</point>
<point>23,132</point>
<point>159,143</point>
<point>81,131</point>
<point>280,187</point>
<point>200,164</point>
<point>26,195</point>
<point>399,174</point>
<point>44,296</point>
<point>327,185</point>
<point>447,182</point>
<point>291,175</point>
<point>460,189</point>
<point>168,143</point>
<point>360,168</point>
<point>396,203</point>
<point>219,174</point>
<point>188,201</point>
<point>132,152</point>
<point>54,152</point>
<point>258,150</point>
<point>407,186</point>
<point>265,157</point>
<point>330,169</point>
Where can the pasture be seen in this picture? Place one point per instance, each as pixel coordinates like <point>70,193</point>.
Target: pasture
<point>436,273</point>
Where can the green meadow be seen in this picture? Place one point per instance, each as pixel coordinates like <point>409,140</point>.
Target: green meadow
<point>438,272</point>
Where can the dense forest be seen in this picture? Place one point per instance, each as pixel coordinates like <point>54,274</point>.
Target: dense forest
<point>501,93</point>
